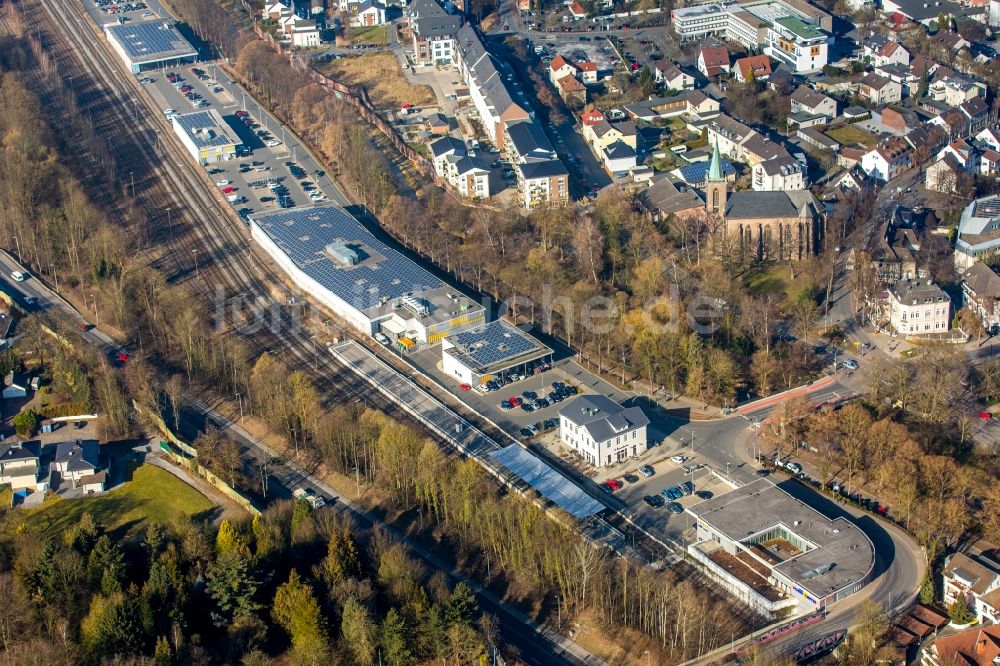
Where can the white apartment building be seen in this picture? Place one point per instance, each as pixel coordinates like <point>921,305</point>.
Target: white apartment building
<point>918,307</point>
<point>795,33</point>
<point>601,430</point>
<point>779,175</point>
<point>800,45</point>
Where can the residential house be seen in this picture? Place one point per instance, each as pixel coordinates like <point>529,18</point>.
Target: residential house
<point>592,117</point>
<point>577,10</point>
<point>305,34</point>
<point>433,32</point>
<point>603,134</point>
<point>978,646</point>
<point>908,82</point>
<point>437,123</point>
<point>950,163</point>
<point>543,182</point>
<point>75,460</point>
<point>276,11</point>
<point>572,91</point>
<point>954,89</point>
<point>778,175</point>
<point>753,68</point>
<point>969,578</point>
<point>950,42</point>
<point>601,430</point>
<point>662,199</point>
<point>18,465</point>
<point>618,158</point>
<point>981,293</point>
<point>918,307</point>
<point>15,386</point>
<point>463,169</point>
<point>687,103</point>
<point>989,162</point>
<point>806,100</point>
<point>990,136</point>
<point>369,13</point>
<point>486,77</point>
<point>802,47</point>
<point>893,53</point>
<point>93,483</point>
<point>673,77</point>
<point>894,253</point>
<point>887,160</point>
<point>713,61</point>
<point>730,135</point>
<point>560,67</point>
<point>921,11</point>
<point>879,90</point>
<point>953,122</point>
<point>926,135</point>
<point>588,71</point>
<point>977,232</point>
<point>977,113</point>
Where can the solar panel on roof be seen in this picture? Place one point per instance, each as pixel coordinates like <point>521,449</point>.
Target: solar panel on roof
<point>390,274</point>
<point>698,172</point>
<point>494,343</point>
<point>205,128</point>
<point>148,40</point>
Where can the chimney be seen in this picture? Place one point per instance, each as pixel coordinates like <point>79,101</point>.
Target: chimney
<point>980,646</point>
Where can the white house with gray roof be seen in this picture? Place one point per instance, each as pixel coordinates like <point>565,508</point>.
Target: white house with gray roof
<point>603,431</point>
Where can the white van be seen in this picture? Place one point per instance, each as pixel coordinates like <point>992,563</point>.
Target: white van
<point>679,150</point>
<point>18,276</point>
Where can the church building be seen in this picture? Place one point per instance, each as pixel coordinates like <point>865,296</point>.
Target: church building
<point>772,226</point>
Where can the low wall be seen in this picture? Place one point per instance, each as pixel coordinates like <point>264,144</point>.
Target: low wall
<point>187,456</point>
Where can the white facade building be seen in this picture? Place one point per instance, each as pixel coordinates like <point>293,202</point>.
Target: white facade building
<point>800,45</point>
<point>918,307</point>
<point>206,136</point>
<point>601,430</point>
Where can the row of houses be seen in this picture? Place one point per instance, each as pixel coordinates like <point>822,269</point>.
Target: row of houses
<point>29,466</point>
<point>441,38</point>
<point>300,31</point>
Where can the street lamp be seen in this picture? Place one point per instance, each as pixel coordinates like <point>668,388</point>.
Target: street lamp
<point>197,272</point>
<point>52,271</point>
<point>239,398</point>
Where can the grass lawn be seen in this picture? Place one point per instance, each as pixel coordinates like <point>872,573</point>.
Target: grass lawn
<point>152,495</point>
<point>850,135</point>
<point>380,74</point>
<point>774,280</point>
<point>373,34</point>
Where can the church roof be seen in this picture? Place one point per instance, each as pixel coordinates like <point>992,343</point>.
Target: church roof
<point>715,170</point>
<point>750,205</point>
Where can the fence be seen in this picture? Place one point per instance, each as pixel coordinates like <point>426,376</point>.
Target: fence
<point>188,458</point>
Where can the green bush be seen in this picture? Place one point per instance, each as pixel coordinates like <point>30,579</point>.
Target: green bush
<point>959,611</point>
<point>64,409</point>
<point>25,423</point>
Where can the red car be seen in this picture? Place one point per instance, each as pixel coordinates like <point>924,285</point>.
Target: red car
<point>613,484</point>
<point>228,189</point>
<point>122,357</point>
<point>514,401</point>
<point>241,114</point>
<point>986,416</point>
<point>465,387</point>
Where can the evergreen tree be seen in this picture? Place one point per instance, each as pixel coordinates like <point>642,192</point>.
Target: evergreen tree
<point>230,540</point>
<point>395,639</point>
<point>111,627</point>
<point>959,611</point>
<point>106,566</point>
<point>341,559</point>
<point>297,611</point>
<point>462,606</point>
<point>433,633</point>
<point>81,537</point>
<point>232,586</point>
<point>927,588</point>
<point>162,654</point>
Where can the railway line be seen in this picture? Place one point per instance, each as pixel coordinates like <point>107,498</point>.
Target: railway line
<point>207,247</point>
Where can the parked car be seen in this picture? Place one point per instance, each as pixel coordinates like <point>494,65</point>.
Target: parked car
<point>679,459</point>
<point>654,501</point>
<point>614,484</point>
<point>506,406</point>
<point>631,478</point>
<point>647,471</point>
<point>675,507</point>
<point>703,494</point>
<point>849,363</point>
<point>794,468</point>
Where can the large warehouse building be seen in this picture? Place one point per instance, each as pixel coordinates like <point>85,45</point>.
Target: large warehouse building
<point>477,355</point>
<point>774,551</point>
<point>150,44</point>
<point>334,259</point>
<point>206,136</point>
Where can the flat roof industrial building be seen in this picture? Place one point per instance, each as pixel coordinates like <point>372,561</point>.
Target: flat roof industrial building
<point>206,136</point>
<point>478,354</point>
<point>149,44</point>
<point>331,256</point>
<point>810,559</point>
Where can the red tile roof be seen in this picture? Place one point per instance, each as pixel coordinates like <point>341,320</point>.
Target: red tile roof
<point>976,647</point>
<point>760,65</point>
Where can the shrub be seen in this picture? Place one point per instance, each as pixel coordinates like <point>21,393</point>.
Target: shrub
<point>959,611</point>
<point>25,423</point>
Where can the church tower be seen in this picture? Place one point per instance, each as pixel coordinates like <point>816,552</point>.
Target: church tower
<point>716,187</point>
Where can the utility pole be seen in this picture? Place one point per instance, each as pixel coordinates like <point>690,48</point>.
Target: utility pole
<point>239,398</point>
<point>18,244</point>
<point>52,270</point>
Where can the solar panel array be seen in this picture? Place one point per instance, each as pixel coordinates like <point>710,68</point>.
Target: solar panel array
<point>146,40</point>
<point>381,272</point>
<point>698,172</point>
<point>496,342</point>
<point>205,128</point>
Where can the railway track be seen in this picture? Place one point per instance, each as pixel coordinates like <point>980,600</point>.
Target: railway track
<point>207,247</point>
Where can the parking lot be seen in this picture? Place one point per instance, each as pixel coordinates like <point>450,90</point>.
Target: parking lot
<point>109,11</point>
<point>268,174</point>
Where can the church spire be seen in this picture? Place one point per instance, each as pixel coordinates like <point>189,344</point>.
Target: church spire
<point>715,169</point>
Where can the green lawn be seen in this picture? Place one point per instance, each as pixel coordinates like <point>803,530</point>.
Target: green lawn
<point>849,135</point>
<point>373,34</point>
<point>152,495</point>
<point>773,280</point>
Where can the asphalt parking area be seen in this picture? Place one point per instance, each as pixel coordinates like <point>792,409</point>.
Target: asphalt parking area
<point>262,179</point>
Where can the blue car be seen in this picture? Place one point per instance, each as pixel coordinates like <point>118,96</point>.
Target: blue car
<point>687,487</point>
<point>675,507</point>
<point>671,493</point>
